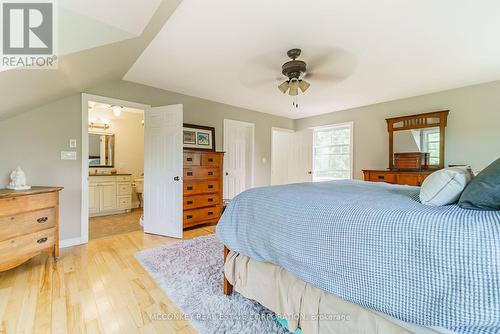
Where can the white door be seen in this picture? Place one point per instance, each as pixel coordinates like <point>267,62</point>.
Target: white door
<point>300,157</point>
<point>238,157</point>
<point>291,157</point>
<point>107,196</point>
<point>280,150</point>
<point>163,171</point>
<point>94,201</point>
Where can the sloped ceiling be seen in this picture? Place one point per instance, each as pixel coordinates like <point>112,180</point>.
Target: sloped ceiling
<point>374,51</point>
<point>95,46</point>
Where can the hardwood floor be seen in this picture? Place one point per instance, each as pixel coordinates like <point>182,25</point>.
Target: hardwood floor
<point>95,288</point>
<point>106,226</point>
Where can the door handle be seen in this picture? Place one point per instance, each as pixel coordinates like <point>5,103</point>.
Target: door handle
<point>227,173</point>
<point>176,178</point>
<point>309,172</point>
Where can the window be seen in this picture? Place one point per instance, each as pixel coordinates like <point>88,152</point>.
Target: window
<point>430,143</point>
<point>332,152</point>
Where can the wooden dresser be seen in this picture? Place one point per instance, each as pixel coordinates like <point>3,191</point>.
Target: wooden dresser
<point>29,224</point>
<point>409,178</point>
<point>412,168</point>
<point>202,187</point>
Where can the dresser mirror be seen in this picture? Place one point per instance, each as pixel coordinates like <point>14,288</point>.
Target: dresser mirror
<point>425,140</point>
<point>101,149</point>
<point>422,133</point>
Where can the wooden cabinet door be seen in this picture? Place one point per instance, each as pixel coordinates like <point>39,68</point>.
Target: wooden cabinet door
<point>94,199</point>
<point>107,196</point>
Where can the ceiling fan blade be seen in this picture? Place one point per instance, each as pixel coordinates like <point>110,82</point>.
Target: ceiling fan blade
<point>322,76</point>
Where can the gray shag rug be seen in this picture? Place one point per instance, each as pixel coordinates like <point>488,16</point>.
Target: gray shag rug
<point>191,274</point>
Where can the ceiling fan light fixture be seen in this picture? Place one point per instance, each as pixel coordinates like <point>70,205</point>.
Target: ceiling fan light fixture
<point>304,85</point>
<point>283,87</point>
<point>294,87</point>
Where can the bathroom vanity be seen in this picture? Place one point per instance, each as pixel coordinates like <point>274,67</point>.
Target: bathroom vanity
<point>110,194</point>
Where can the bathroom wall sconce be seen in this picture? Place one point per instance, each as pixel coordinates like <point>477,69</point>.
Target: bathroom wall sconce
<point>93,125</point>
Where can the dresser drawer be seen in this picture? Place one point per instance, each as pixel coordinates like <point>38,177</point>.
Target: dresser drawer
<point>382,177</point>
<point>199,216</point>
<point>125,203</point>
<point>201,173</point>
<point>123,178</point>
<point>124,189</point>
<point>24,223</point>
<point>18,250</point>
<point>202,187</point>
<point>199,201</point>
<point>14,205</point>
<point>192,159</point>
<point>410,179</point>
<point>210,159</point>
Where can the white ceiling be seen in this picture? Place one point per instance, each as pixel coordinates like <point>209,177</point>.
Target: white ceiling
<point>231,51</point>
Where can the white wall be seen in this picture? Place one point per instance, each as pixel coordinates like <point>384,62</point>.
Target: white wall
<point>472,134</point>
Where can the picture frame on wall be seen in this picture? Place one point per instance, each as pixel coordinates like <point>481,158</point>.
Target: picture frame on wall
<point>198,137</point>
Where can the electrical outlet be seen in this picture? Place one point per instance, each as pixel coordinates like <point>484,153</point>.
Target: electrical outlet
<point>72,143</point>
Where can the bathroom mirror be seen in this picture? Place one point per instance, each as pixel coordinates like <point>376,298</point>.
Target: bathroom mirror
<point>101,149</point>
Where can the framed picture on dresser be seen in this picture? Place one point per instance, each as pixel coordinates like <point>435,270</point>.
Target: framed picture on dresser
<point>198,137</point>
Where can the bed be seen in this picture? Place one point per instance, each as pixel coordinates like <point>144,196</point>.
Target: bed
<point>373,246</point>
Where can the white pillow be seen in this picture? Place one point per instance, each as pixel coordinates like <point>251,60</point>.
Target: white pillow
<point>445,186</point>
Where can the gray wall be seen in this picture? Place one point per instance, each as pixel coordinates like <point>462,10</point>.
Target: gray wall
<point>34,139</point>
<point>205,112</point>
<point>472,134</point>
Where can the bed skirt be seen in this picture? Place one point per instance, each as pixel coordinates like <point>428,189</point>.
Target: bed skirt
<point>301,304</point>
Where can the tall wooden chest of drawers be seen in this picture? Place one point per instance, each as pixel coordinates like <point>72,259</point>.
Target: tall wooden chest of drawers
<point>202,187</point>
<point>29,224</point>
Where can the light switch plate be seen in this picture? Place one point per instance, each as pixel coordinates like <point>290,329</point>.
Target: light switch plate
<point>72,143</point>
<point>68,155</point>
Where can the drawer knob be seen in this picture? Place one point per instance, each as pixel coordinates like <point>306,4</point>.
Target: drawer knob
<point>210,199</point>
<point>42,220</point>
<point>210,160</point>
<point>189,159</point>
<point>381,177</point>
<point>189,202</point>
<point>189,173</point>
<point>189,217</point>
<point>210,173</point>
<point>42,240</point>
<point>210,186</point>
<point>210,213</point>
<point>189,187</point>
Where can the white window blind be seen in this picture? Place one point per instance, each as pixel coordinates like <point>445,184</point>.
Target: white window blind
<point>332,152</point>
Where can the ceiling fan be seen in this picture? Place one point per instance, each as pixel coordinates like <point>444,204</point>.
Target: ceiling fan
<point>295,71</point>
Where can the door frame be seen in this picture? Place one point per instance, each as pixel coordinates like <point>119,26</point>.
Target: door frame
<point>252,145</point>
<point>84,219</point>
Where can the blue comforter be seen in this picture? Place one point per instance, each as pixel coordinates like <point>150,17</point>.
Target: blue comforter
<point>377,246</point>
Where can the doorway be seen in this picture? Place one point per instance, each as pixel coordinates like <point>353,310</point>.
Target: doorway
<point>239,158</point>
<point>116,169</point>
<point>161,185</point>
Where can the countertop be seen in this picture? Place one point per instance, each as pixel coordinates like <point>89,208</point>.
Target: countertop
<point>34,190</point>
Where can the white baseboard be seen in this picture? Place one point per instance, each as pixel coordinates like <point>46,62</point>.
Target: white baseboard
<point>70,242</point>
